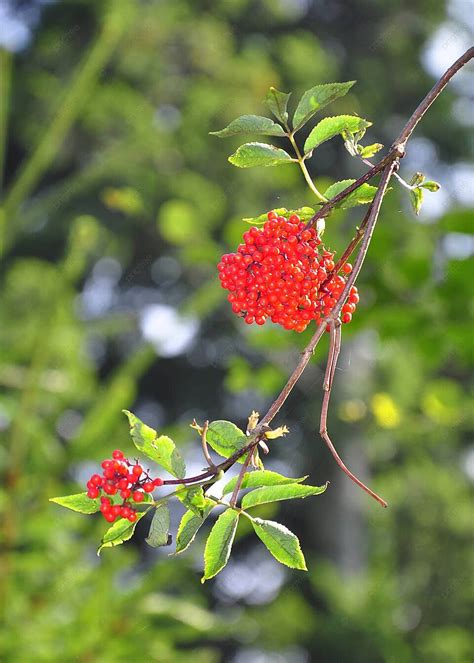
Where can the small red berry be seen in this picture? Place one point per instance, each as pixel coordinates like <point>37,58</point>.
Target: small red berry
<point>107,463</point>
<point>347,317</point>
<point>117,454</point>
<point>148,486</point>
<point>158,482</point>
<point>137,470</point>
<point>138,496</point>
<point>109,516</point>
<point>93,493</point>
<point>116,510</point>
<point>132,517</point>
<point>347,268</point>
<point>125,493</point>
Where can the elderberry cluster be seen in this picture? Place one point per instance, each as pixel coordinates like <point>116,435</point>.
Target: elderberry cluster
<point>283,272</point>
<point>124,478</point>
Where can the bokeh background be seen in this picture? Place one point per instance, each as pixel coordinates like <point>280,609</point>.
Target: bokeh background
<point>116,205</point>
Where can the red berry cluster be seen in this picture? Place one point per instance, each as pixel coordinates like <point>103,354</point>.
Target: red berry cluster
<point>283,272</point>
<point>127,479</point>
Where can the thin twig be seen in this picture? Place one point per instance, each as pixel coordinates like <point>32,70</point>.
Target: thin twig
<point>333,354</point>
<point>240,478</point>
<point>432,95</point>
<point>334,350</point>
<point>205,449</point>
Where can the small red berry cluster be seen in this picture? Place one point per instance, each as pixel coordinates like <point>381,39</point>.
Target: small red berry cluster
<point>127,479</point>
<point>283,272</point>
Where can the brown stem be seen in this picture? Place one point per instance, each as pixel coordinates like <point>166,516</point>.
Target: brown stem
<point>295,376</point>
<point>205,449</point>
<point>349,250</point>
<point>240,478</point>
<point>214,471</point>
<point>394,153</point>
<point>334,349</point>
<point>333,354</point>
<point>432,95</point>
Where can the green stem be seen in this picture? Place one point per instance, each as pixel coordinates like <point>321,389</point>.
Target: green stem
<point>230,506</point>
<point>304,170</point>
<point>5,77</point>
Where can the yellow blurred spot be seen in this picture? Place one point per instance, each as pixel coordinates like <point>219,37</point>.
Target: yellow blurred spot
<point>352,410</point>
<point>385,410</point>
<point>126,200</point>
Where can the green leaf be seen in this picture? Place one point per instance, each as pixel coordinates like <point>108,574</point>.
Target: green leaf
<point>417,179</point>
<point>316,98</point>
<point>161,449</point>
<point>369,151</point>
<point>226,438</point>
<point>305,213</point>
<point>79,502</point>
<point>193,499</point>
<point>431,185</point>
<point>282,543</point>
<point>219,543</point>
<point>261,478</point>
<point>250,124</point>
<point>269,494</point>
<point>332,126</point>
<point>259,154</point>
<point>122,530</point>
<point>189,527</point>
<point>277,102</point>
<point>361,196</point>
<point>159,534</point>
<point>416,197</point>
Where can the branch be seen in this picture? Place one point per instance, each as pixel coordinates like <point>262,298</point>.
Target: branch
<point>432,95</point>
<point>387,166</point>
<point>397,150</point>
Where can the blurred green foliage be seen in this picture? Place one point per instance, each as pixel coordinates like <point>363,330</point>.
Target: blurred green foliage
<point>117,204</point>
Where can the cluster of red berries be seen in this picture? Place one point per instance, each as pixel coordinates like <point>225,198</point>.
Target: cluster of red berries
<point>283,272</point>
<point>124,478</point>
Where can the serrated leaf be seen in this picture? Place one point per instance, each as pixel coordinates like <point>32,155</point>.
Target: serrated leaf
<point>219,543</point>
<point>226,438</point>
<point>122,530</point>
<point>361,196</point>
<point>305,213</point>
<point>193,499</point>
<point>369,150</point>
<point>277,102</point>
<point>332,126</point>
<point>250,124</point>
<point>431,185</point>
<point>259,479</point>
<point>280,542</point>
<point>189,527</point>
<point>259,154</point>
<point>159,533</point>
<point>416,197</point>
<point>316,98</point>
<point>161,449</point>
<point>79,502</point>
<point>269,494</point>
